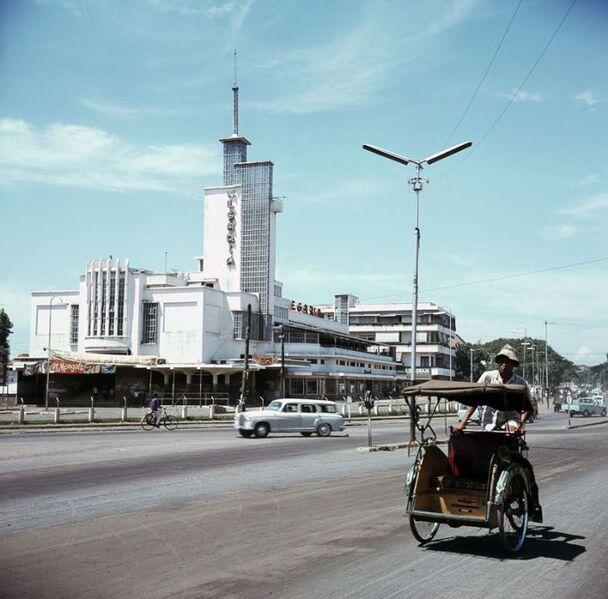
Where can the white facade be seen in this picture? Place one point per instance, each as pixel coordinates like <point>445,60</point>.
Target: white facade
<point>391,324</point>
<point>196,320</point>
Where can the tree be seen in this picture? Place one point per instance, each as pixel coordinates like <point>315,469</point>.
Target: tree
<point>6,328</point>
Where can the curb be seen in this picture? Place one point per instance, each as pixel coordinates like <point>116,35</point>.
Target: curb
<point>390,447</point>
<point>587,424</point>
<point>119,426</point>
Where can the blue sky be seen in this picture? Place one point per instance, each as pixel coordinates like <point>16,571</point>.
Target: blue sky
<point>110,114</point>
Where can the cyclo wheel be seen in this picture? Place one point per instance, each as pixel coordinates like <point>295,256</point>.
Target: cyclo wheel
<point>513,516</point>
<point>170,422</point>
<point>423,531</point>
<point>147,422</point>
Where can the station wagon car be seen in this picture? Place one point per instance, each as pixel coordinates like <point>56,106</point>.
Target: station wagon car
<point>304,416</point>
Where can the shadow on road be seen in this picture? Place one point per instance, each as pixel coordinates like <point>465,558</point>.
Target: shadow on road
<point>541,541</point>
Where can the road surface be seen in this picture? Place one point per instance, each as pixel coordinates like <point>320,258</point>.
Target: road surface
<point>203,513</point>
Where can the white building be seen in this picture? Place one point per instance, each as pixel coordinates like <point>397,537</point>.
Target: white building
<point>124,330</point>
<point>391,324</point>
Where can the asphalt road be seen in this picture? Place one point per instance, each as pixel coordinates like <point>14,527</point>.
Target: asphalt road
<point>203,513</point>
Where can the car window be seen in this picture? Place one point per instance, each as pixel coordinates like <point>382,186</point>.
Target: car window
<point>308,408</point>
<point>290,407</point>
<point>274,405</point>
<point>328,408</point>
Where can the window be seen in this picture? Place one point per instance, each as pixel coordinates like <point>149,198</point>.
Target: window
<point>75,308</point>
<point>150,323</point>
<point>290,407</point>
<point>311,387</point>
<point>309,408</point>
<point>328,408</point>
<point>296,386</point>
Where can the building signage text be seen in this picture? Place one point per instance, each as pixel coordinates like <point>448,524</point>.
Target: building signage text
<point>306,309</point>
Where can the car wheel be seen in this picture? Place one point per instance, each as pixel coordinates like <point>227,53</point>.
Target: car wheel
<point>305,434</point>
<point>261,430</point>
<point>245,433</point>
<point>324,430</point>
<point>604,412</point>
<point>586,414</point>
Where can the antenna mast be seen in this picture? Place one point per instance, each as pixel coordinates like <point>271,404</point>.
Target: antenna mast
<point>235,103</point>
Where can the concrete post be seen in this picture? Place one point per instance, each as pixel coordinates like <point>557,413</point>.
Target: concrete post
<point>360,409</point>
<point>92,411</point>
<point>390,405</point>
<point>56,415</point>
<point>211,411</point>
<point>185,409</point>
<point>124,410</point>
<point>21,417</point>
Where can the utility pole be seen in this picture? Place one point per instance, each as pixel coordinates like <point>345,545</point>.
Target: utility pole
<point>471,350</point>
<point>282,361</point>
<point>245,379</point>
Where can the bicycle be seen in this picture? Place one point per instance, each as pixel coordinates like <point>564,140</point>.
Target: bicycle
<point>148,421</point>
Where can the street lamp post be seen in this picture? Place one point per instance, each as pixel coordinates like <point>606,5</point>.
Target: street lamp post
<point>48,353</point>
<point>417,184</point>
<point>471,350</point>
<point>547,364</point>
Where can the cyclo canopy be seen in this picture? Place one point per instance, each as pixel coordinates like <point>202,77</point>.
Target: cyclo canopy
<point>505,398</point>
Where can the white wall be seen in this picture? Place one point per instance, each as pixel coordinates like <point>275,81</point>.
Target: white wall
<point>216,249</point>
<point>60,320</point>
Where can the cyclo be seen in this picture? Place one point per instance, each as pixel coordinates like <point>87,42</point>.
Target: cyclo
<point>485,480</point>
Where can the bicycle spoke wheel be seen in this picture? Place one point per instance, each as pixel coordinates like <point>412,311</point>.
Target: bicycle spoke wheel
<point>513,517</point>
<point>147,422</point>
<point>423,531</point>
<point>170,422</point>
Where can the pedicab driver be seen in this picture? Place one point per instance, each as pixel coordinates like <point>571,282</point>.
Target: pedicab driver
<point>504,375</point>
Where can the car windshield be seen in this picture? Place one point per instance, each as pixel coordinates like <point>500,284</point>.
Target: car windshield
<point>274,405</point>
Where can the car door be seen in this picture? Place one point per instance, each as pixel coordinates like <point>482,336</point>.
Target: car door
<point>309,416</point>
<point>289,417</point>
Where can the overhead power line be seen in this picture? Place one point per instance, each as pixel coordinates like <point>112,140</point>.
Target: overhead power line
<point>483,77</point>
<point>501,278</point>
<point>514,95</point>
<point>518,275</point>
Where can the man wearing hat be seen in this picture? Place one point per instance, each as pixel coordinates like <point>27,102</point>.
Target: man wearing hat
<point>504,375</point>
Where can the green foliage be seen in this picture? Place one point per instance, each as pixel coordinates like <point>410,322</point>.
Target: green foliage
<point>6,328</point>
<point>560,369</point>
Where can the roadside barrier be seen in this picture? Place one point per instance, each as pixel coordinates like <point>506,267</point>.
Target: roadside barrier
<point>123,416</point>
<point>56,419</point>
<point>92,411</point>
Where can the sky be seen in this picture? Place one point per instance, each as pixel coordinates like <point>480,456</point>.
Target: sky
<point>110,115</point>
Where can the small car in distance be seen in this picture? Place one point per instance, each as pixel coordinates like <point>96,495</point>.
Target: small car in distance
<point>290,415</point>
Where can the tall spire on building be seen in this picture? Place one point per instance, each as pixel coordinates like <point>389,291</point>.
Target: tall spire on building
<point>235,103</point>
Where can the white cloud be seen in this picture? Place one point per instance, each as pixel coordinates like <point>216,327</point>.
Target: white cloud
<point>87,157</point>
<point>353,66</point>
<point>593,204</point>
<point>523,96</point>
<point>587,181</point>
<point>557,232</point>
<point>587,98</point>
<point>118,111</point>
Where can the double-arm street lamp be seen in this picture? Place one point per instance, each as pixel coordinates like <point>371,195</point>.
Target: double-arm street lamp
<point>48,354</point>
<point>417,184</point>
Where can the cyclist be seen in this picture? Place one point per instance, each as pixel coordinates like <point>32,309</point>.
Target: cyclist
<point>156,409</point>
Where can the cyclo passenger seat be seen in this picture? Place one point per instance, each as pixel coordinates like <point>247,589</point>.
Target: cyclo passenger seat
<point>470,454</point>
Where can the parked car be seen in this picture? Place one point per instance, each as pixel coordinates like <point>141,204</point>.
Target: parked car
<point>304,416</point>
<point>475,417</point>
<point>584,406</point>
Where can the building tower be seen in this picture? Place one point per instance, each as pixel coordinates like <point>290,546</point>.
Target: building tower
<point>248,189</point>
